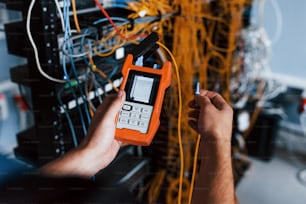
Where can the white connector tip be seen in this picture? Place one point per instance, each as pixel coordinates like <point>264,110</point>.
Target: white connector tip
<point>139,61</point>
<point>197,91</point>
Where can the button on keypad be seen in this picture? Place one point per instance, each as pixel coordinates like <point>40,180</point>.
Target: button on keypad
<point>135,116</point>
<point>125,113</point>
<point>127,107</point>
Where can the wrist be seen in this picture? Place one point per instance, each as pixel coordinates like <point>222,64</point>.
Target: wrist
<point>224,144</point>
<point>217,137</point>
<point>216,145</point>
<point>90,161</point>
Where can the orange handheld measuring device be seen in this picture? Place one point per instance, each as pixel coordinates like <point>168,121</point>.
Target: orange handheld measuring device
<point>138,119</point>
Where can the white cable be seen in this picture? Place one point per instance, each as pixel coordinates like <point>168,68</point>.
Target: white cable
<point>278,16</point>
<point>279,21</point>
<point>28,28</point>
<point>261,12</point>
<point>70,40</point>
<point>60,13</point>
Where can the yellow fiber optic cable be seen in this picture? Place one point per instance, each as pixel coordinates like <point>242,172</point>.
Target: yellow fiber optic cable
<point>179,120</point>
<point>194,171</point>
<point>75,17</point>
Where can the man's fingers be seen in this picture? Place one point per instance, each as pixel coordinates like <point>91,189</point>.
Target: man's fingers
<point>202,101</point>
<point>194,114</point>
<point>203,92</point>
<point>216,99</point>
<point>193,104</point>
<point>111,104</point>
<point>116,104</point>
<point>219,102</point>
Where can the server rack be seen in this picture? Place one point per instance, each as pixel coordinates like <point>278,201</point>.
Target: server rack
<point>50,137</point>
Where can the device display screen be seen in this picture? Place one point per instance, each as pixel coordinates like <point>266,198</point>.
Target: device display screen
<point>142,87</point>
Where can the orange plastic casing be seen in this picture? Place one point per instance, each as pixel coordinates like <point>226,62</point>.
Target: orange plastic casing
<point>135,137</point>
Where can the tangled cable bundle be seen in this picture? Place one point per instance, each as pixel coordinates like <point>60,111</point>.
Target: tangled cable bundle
<point>204,38</point>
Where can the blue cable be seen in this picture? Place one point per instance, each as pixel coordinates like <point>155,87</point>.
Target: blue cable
<point>81,91</point>
<point>79,109</point>
<point>114,70</point>
<point>76,99</point>
<point>66,37</point>
<point>102,20</point>
<point>70,123</point>
<point>71,126</point>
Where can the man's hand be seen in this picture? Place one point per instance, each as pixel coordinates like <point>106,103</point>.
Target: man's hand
<point>211,116</point>
<point>98,148</point>
<point>100,141</point>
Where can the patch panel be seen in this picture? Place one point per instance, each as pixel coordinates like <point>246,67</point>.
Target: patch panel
<point>92,95</point>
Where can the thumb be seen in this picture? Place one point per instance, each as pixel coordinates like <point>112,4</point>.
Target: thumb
<point>202,101</point>
<point>115,105</point>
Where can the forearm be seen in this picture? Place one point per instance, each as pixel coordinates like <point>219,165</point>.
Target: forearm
<point>98,149</point>
<point>214,183</point>
<point>77,162</point>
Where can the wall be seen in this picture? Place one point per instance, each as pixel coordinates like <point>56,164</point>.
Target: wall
<point>284,21</point>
